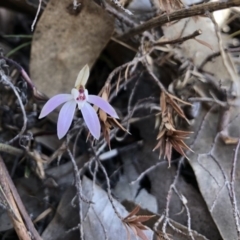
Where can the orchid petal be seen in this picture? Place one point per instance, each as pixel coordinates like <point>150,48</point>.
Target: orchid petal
<point>65,118</point>
<point>91,120</point>
<point>103,104</point>
<point>53,103</point>
<point>82,77</point>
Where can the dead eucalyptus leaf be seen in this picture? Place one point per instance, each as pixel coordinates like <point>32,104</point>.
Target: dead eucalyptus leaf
<point>212,163</point>
<point>100,220</point>
<point>64,41</point>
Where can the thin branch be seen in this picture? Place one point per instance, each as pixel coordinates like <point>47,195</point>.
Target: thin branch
<point>227,62</point>
<point>37,14</point>
<point>209,58</point>
<point>208,99</point>
<point>20,69</point>
<point>148,170</point>
<point>180,14</point>
<point>176,229</point>
<point>21,220</point>
<point>154,77</point>
<point>118,5</point>
<point>110,197</point>
<point>124,44</point>
<point>169,196</point>
<point>101,223</point>
<point>179,40</point>
<point>119,15</point>
<point>109,192</point>
<point>37,94</point>
<point>58,152</point>
<point>78,186</point>
<point>132,94</point>
<point>10,149</point>
<point>184,202</point>
<point>113,73</point>
<point>6,81</point>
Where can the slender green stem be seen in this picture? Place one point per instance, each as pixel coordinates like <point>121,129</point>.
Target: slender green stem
<point>17,49</point>
<point>18,36</point>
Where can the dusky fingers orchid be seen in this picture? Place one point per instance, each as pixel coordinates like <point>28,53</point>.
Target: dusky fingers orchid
<point>79,97</point>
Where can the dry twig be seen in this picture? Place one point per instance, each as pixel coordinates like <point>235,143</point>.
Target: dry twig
<point>80,197</point>
<point>178,40</point>
<point>37,14</point>
<point>196,10</point>
<point>17,212</point>
<point>5,79</point>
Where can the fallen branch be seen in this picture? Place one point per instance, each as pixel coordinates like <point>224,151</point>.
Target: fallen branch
<point>20,219</point>
<point>180,14</point>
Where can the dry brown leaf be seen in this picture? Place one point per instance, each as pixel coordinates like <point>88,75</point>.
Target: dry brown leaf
<point>204,43</point>
<point>64,41</point>
<point>97,215</point>
<point>135,222</point>
<point>213,163</point>
<point>169,137</point>
<point>108,122</point>
<point>172,100</point>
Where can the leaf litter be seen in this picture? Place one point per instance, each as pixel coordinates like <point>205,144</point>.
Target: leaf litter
<point>175,88</point>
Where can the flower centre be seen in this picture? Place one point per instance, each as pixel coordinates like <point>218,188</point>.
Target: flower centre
<point>81,96</point>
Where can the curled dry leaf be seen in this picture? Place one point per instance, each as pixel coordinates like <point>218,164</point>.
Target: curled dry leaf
<point>169,137</point>
<point>108,122</point>
<point>135,222</point>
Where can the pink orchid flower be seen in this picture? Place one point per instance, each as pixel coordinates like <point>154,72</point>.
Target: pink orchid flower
<point>79,96</point>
